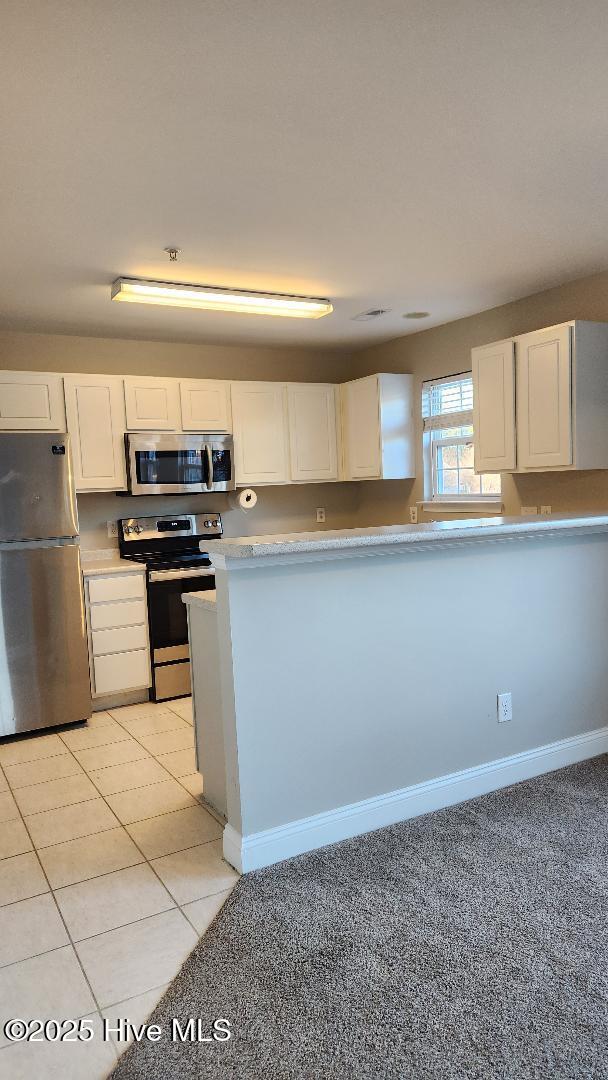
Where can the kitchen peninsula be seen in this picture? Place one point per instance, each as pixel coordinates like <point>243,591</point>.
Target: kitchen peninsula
<point>332,695</point>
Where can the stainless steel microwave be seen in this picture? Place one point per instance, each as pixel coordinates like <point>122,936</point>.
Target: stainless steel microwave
<point>163,464</point>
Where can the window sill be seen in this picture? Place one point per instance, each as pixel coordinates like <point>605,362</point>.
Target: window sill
<point>461,506</point>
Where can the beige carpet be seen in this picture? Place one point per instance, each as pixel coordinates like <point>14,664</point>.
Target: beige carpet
<point>467,943</point>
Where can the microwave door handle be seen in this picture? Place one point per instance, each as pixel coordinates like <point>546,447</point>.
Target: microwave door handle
<point>209,456</point>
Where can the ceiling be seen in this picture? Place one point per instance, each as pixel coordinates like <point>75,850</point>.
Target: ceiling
<point>447,156</point>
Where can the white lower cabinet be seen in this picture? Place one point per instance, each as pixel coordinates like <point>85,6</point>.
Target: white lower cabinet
<point>31,401</point>
<point>95,412</point>
<point>121,672</point>
<point>117,621</point>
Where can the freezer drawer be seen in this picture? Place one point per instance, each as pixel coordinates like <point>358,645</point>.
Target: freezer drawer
<point>44,667</point>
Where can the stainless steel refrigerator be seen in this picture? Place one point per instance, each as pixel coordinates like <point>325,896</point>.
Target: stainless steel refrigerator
<point>44,667</point>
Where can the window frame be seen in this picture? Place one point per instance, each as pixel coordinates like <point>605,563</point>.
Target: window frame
<point>431,444</point>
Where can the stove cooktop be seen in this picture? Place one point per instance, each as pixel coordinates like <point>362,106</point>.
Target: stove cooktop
<point>171,561</point>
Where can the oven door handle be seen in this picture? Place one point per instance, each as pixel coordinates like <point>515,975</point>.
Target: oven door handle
<point>178,575</point>
<point>209,456</point>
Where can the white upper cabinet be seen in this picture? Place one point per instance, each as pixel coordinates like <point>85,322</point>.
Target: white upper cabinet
<point>312,431</point>
<point>544,398</point>
<point>205,405</point>
<point>261,440</point>
<point>152,404</point>
<point>31,401</point>
<point>561,400</point>
<point>494,406</point>
<point>378,421</point>
<point>96,422</point>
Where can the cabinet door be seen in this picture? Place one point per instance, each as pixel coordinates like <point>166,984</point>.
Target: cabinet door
<point>152,404</point>
<point>205,405</point>
<point>362,423</point>
<point>544,400</point>
<point>312,431</point>
<point>31,401</point>
<point>494,406</point>
<point>261,447</point>
<point>95,411</point>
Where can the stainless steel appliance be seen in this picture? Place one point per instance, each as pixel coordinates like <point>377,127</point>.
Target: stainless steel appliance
<point>170,548</point>
<point>44,663</point>
<point>164,464</point>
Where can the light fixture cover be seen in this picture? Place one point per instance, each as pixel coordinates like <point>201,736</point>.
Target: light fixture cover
<point>175,294</point>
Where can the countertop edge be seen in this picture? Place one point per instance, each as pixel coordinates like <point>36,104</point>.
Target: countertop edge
<point>403,537</point>
<point>206,600</point>
<point>98,567</point>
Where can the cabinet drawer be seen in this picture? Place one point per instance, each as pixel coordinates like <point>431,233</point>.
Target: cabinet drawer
<point>123,613</point>
<point>116,587</point>
<point>121,671</point>
<point>121,639</point>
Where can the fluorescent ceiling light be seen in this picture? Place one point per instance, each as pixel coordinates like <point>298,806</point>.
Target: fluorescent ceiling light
<point>171,294</point>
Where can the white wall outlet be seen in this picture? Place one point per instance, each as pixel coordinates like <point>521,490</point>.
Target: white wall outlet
<point>320,513</point>
<point>529,510</point>
<point>112,528</point>
<point>545,509</point>
<point>413,515</point>
<point>505,708</point>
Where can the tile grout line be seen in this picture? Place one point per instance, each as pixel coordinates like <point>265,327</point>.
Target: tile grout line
<point>145,861</point>
<point>69,936</point>
<point>160,762</point>
<point>148,863</point>
<point>179,906</point>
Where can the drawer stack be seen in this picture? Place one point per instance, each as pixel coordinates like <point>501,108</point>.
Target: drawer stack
<point>118,633</point>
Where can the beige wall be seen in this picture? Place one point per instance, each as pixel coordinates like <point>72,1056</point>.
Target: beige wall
<point>280,509</point>
<point>445,350</point>
<point>62,352</point>
<point>442,350</point>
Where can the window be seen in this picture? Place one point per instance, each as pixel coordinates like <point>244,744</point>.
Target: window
<point>447,411</point>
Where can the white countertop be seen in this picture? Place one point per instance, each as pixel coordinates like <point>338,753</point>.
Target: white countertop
<point>107,562</point>
<point>206,599</point>
<point>400,536</point>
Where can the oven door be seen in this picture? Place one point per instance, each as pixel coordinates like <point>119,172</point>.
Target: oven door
<point>168,623</point>
<point>161,464</point>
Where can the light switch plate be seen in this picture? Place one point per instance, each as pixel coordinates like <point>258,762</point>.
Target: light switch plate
<point>528,510</point>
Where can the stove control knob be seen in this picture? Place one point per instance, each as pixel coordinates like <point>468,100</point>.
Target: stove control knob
<point>139,528</point>
<point>207,524</point>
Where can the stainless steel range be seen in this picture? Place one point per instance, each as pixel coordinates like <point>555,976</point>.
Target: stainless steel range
<point>170,548</point>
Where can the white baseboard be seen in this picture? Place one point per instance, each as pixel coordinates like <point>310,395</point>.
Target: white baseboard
<point>272,845</point>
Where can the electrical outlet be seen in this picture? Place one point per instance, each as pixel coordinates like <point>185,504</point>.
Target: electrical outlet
<point>545,509</point>
<point>529,510</point>
<point>504,707</point>
<point>413,515</point>
<point>112,528</point>
<point>320,513</point>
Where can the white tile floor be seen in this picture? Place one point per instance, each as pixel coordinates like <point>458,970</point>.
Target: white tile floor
<point>110,869</point>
